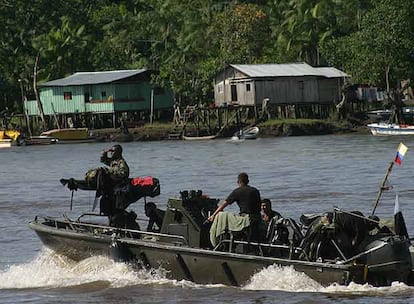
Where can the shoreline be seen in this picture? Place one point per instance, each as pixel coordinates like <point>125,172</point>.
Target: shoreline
<point>158,132</point>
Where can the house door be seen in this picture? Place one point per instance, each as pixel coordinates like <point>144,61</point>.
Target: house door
<point>86,96</point>
<point>233,89</point>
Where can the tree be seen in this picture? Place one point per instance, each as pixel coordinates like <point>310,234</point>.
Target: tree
<point>381,52</point>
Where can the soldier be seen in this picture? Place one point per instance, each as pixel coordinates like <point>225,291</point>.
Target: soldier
<point>155,215</point>
<point>118,169</point>
<point>267,212</point>
<point>248,199</point>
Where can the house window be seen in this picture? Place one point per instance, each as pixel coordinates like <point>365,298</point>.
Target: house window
<point>248,87</point>
<point>67,95</point>
<point>220,88</point>
<point>87,97</point>
<point>103,94</point>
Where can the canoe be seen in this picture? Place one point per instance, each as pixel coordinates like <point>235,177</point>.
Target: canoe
<point>209,137</point>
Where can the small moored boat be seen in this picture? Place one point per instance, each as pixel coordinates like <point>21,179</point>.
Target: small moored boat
<point>68,135</point>
<point>249,133</point>
<point>9,138</point>
<point>39,140</point>
<point>384,128</point>
<point>5,143</point>
<point>207,137</point>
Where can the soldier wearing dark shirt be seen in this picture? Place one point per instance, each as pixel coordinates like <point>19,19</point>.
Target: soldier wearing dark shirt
<point>248,199</point>
<point>267,212</point>
<point>155,215</point>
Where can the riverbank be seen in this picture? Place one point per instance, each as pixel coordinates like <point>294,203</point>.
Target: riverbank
<point>271,128</point>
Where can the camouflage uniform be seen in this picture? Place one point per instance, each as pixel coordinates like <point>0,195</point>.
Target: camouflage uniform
<point>118,169</point>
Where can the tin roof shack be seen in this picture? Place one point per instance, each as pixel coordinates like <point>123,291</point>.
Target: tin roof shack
<point>283,84</point>
<point>102,92</point>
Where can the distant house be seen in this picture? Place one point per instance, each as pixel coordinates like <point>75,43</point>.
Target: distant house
<point>282,84</point>
<point>109,92</point>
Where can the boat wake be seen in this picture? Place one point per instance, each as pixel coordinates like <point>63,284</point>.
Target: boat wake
<point>49,270</point>
<point>287,279</point>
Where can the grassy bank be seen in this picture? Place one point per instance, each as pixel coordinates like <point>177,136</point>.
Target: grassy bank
<point>299,127</point>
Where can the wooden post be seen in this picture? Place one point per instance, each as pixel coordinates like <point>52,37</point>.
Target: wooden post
<point>55,116</point>
<point>39,103</point>
<point>382,187</point>
<point>219,118</point>
<point>152,106</point>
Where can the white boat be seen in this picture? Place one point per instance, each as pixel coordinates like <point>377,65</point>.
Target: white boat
<point>249,133</point>
<point>384,128</point>
<point>208,137</point>
<point>5,143</point>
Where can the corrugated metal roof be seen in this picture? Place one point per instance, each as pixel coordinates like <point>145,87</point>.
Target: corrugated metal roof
<point>82,78</point>
<point>286,69</point>
<point>332,72</point>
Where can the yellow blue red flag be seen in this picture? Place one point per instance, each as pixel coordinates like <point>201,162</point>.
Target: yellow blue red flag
<point>402,149</point>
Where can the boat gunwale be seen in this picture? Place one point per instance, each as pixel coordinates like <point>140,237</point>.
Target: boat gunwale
<point>41,227</point>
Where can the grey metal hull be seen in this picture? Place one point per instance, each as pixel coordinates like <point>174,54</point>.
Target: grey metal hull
<point>181,262</point>
<point>207,266</point>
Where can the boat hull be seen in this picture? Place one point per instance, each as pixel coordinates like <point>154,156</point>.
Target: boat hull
<point>210,137</point>
<point>214,267</point>
<point>39,140</point>
<point>390,129</point>
<point>201,266</point>
<point>5,143</point>
<point>249,133</point>
<point>67,134</point>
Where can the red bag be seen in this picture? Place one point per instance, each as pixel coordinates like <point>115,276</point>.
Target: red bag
<point>142,181</point>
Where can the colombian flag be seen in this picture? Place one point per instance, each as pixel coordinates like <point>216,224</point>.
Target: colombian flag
<point>402,149</point>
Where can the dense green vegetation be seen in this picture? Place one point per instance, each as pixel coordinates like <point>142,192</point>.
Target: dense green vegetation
<point>189,41</point>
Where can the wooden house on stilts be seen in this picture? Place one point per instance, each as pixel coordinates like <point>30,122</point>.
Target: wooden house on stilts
<point>295,90</point>
<point>101,99</point>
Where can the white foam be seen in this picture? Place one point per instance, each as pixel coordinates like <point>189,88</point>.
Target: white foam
<point>282,278</point>
<point>396,288</point>
<point>287,279</point>
<point>51,270</point>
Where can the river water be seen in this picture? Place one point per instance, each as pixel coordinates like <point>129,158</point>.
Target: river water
<point>298,174</point>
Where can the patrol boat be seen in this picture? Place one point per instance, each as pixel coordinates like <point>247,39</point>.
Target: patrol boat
<point>324,252</point>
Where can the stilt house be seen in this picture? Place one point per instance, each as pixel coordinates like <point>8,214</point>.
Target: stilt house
<point>105,95</point>
<point>280,84</point>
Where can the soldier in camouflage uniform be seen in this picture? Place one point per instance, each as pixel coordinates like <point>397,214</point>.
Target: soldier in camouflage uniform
<point>118,169</point>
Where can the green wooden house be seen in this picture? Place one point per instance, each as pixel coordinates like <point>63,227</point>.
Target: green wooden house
<point>102,93</point>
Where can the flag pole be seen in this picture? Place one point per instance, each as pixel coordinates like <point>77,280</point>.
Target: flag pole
<point>382,187</point>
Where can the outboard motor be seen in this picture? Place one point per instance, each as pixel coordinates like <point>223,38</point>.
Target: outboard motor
<point>388,260</point>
